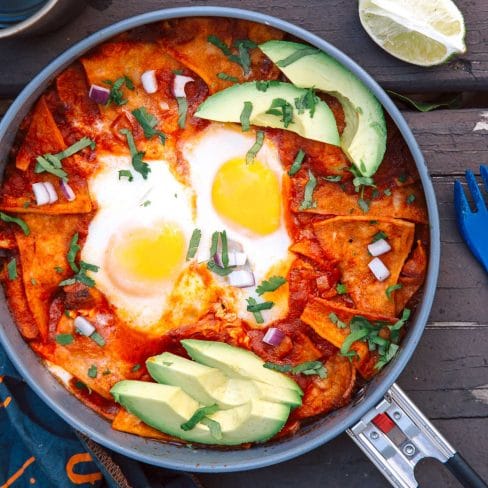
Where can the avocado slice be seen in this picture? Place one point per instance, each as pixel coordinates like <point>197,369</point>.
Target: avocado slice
<point>166,407</point>
<point>236,362</point>
<point>210,386</point>
<point>227,106</point>
<point>364,137</point>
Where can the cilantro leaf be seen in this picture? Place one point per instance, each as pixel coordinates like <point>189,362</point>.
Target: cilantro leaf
<point>379,235</point>
<point>392,288</point>
<point>297,164</point>
<point>308,201</point>
<point>308,101</point>
<point>245,115</point>
<point>226,77</point>
<point>137,163</point>
<point>64,339</point>
<point>281,108</point>
<point>92,371</point>
<point>125,173</point>
<point>341,288</point>
<point>194,243</point>
<point>72,252</point>
<point>255,148</point>
<point>336,321</point>
<point>12,269</point>
<point>198,416</point>
<point>116,96</point>
<point>214,427</point>
<point>148,123</point>
<point>298,54</point>
<point>270,285</point>
<point>15,220</point>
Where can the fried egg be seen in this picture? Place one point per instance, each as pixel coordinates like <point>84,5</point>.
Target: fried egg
<point>138,238</point>
<point>245,200</point>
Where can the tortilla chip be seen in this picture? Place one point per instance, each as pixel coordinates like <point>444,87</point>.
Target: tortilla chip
<point>346,239</point>
<point>43,136</point>
<point>40,252</point>
<point>126,422</point>
<point>17,302</point>
<point>411,277</point>
<point>333,391</point>
<point>187,40</point>
<point>16,194</point>
<point>80,111</point>
<point>317,314</point>
<point>332,200</point>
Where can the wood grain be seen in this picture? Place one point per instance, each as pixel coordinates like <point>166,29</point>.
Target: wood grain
<point>335,20</point>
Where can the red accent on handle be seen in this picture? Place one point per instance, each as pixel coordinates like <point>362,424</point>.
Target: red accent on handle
<point>383,422</point>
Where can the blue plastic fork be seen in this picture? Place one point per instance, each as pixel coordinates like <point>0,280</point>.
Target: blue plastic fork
<point>473,225</point>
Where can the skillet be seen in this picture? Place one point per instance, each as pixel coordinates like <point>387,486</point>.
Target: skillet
<point>378,406</point>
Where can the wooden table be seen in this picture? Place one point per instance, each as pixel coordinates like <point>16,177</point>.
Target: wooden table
<point>448,375</point>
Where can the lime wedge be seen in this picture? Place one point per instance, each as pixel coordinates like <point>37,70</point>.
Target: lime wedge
<point>420,32</point>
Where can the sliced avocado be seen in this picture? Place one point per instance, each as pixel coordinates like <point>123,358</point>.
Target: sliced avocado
<point>166,407</point>
<point>364,137</point>
<point>227,106</point>
<point>210,386</point>
<point>236,362</point>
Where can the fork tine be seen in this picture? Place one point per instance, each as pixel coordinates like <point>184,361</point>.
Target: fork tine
<point>484,176</point>
<point>475,191</point>
<point>461,203</point>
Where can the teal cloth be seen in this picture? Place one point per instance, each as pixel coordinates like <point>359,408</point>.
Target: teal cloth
<point>39,449</point>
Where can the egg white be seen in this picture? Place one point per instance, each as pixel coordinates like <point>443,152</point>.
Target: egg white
<point>125,206</point>
<point>267,254</point>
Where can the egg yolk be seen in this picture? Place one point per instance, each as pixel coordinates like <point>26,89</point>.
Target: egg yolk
<point>146,255</point>
<point>248,195</point>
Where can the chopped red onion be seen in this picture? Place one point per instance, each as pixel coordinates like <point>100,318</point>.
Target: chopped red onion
<point>179,84</point>
<point>273,336</point>
<point>83,326</point>
<point>67,191</point>
<point>99,94</point>
<point>41,193</point>
<point>149,81</point>
<point>53,196</point>
<point>378,268</point>
<point>241,278</point>
<point>379,247</point>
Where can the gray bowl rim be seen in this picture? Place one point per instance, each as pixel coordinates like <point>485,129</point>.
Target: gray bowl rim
<point>201,460</point>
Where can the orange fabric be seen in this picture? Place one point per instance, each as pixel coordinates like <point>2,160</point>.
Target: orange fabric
<point>80,479</point>
<point>187,40</point>
<point>346,240</point>
<point>19,473</point>
<point>317,315</point>
<point>332,200</point>
<point>42,137</point>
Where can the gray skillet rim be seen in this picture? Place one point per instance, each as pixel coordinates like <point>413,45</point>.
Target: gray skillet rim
<point>210,460</point>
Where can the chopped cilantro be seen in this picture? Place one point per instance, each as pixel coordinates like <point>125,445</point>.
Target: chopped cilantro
<point>213,426</point>
<point>136,368</point>
<point>281,108</point>
<point>146,203</point>
<point>392,288</point>
<point>12,269</point>
<point>194,243</point>
<point>297,164</point>
<point>72,252</point>
<point>255,148</point>
<point>226,77</point>
<point>182,111</point>
<point>264,85</point>
<point>341,288</point>
<point>307,368</point>
<point>363,205</point>
<point>245,115</point>
<point>271,284</point>
<point>410,199</point>
<point>298,54</point>
<point>64,339</point>
<point>308,201</point>
<point>98,339</point>
<point>148,123</point>
<point>58,269</point>
<point>307,101</point>
<point>198,416</point>
<point>282,368</point>
<point>116,96</point>
<point>125,173</point>
<point>379,235</point>
<point>137,163</point>
<point>387,192</point>
<point>242,46</point>
<point>253,306</point>
<point>15,220</point>
<point>92,371</point>
<point>336,321</point>
<point>333,178</point>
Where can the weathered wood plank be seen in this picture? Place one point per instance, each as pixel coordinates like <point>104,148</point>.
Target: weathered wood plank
<point>451,140</point>
<point>341,464</point>
<point>336,21</point>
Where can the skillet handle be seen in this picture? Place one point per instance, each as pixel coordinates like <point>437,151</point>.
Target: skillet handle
<point>396,435</point>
